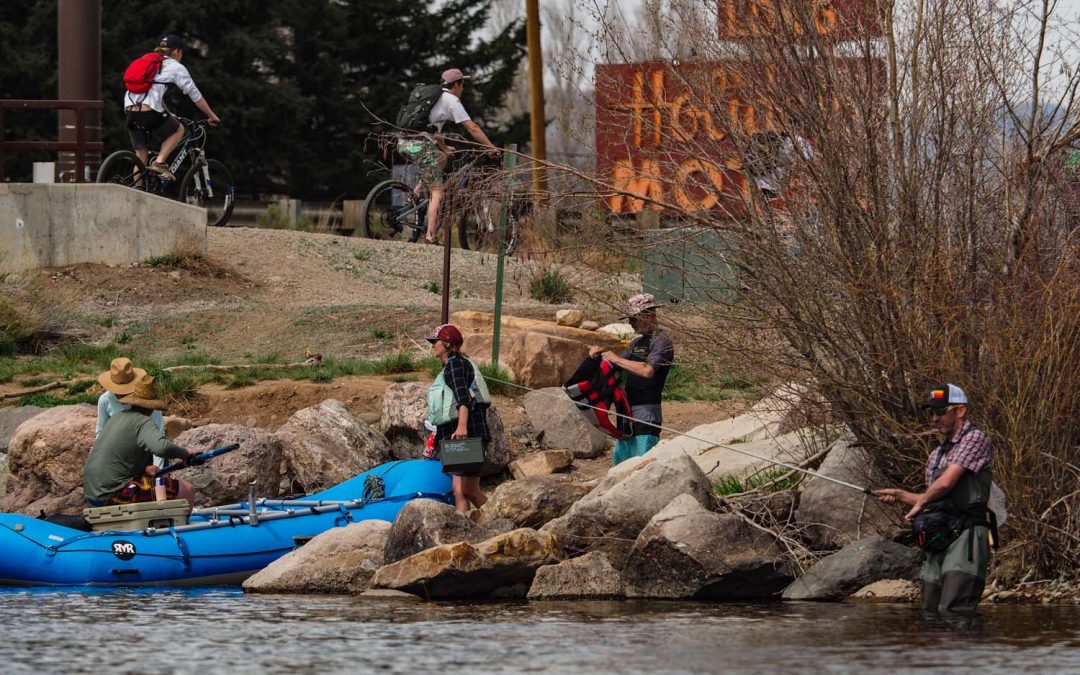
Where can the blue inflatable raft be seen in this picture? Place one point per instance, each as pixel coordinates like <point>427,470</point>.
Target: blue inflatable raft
<point>219,545</point>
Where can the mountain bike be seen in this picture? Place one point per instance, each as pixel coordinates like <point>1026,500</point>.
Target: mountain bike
<point>206,183</point>
<point>399,208</point>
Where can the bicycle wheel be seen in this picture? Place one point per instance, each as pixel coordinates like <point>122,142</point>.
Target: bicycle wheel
<point>478,229</point>
<point>123,167</point>
<point>210,186</point>
<point>391,209</point>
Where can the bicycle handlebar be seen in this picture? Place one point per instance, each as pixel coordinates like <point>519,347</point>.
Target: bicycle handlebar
<point>205,122</point>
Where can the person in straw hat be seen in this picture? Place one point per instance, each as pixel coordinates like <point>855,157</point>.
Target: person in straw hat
<point>647,361</point>
<point>119,469</point>
<point>119,380</point>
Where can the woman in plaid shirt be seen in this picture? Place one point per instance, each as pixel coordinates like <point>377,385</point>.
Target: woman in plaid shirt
<point>465,415</point>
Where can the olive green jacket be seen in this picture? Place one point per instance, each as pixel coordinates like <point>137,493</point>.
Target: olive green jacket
<point>126,446</point>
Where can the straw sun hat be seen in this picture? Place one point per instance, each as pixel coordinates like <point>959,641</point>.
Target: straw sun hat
<point>121,376</point>
<point>145,394</point>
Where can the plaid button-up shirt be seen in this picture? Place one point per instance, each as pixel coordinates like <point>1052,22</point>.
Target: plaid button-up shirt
<point>970,448</point>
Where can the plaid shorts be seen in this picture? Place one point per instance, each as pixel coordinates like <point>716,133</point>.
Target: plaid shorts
<point>423,152</point>
<point>142,490</point>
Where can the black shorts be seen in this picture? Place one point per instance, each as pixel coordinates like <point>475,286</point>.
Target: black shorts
<point>142,124</point>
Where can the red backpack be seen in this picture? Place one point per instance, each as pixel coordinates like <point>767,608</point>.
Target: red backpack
<point>140,75</point>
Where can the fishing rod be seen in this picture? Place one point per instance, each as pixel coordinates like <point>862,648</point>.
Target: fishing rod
<point>815,474</point>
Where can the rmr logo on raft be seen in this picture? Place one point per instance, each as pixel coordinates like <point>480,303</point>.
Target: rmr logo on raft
<point>124,550</point>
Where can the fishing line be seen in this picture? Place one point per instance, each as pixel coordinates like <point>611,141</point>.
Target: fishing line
<point>712,444</point>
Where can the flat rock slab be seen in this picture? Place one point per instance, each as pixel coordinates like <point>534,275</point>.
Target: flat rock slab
<point>542,463</point>
<point>466,571</point>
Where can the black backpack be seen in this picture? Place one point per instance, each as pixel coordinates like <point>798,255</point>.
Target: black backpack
<point>414,115</point>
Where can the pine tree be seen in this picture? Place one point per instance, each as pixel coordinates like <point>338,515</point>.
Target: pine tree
<point>299,84</point>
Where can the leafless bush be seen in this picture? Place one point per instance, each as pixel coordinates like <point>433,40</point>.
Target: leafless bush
<point>919,235</point>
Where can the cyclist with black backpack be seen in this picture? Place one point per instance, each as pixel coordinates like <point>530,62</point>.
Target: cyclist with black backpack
<point>428,110</point>
<point>146,81</point>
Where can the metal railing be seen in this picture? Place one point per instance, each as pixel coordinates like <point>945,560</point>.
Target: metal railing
<point>80,146</point>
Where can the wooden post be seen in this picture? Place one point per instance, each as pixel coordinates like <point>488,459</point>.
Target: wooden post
<point>538,122</point>
<point>351,213</point>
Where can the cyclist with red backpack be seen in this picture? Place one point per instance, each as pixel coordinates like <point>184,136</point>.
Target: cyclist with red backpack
<point>429,108</point>
<point>146,80</point>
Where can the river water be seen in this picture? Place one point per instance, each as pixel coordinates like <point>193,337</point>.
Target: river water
<point>225,631</point>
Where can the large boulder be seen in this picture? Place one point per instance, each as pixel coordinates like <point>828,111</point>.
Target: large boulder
<point>404,409</point>
<point>854,566</point>
<point>751,439</point>
<point>612,515</point>
<point>484,322</point>
<point>687,551</point>
<point>45,461</point>
<point>424,523</point>
<point>11,418</point>
<point>226,478</point>
<point>590,577</point>
<point>325,444</point>
<point>540,360</point>
<point>497,455</point>
<point>533,501</point>
<point>834,515</point>
<point>478,346</point>
<point>553,414</point>
<point>505,564</point>
<point>340,560</point>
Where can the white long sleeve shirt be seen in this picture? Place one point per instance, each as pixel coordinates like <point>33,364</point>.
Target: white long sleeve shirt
<point>172,72</point>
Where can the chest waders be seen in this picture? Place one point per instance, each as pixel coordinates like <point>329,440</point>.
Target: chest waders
<point>953,535</point>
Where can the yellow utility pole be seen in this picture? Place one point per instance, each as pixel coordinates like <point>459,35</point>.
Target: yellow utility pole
<point>536,98</point>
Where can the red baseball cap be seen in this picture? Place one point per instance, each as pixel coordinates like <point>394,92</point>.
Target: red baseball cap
<point>448,333</point>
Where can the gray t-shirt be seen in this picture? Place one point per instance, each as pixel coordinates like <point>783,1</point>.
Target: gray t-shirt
<point>657,350</point>
<point>127,445</point>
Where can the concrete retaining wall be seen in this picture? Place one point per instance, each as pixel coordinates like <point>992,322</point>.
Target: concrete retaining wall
<point>63,224</point>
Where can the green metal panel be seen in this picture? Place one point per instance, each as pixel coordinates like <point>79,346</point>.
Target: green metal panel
<point>687,265</point>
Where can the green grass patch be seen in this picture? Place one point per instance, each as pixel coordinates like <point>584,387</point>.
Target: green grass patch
<point>382,334</point>
<point>401,362</point>
<point>491,373</point>
<point>240,380</point>
<point>733,485</point>
<point>549,285</point>
<point>694,383</point>
<point>431,365</point>
<point>45,400</point>
<point>432,287</point>
<point>79,387</point>
<point>183,384</point>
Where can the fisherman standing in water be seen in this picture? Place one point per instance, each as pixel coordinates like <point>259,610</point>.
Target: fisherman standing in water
<point>647,362</point>
<point>951,518</point>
